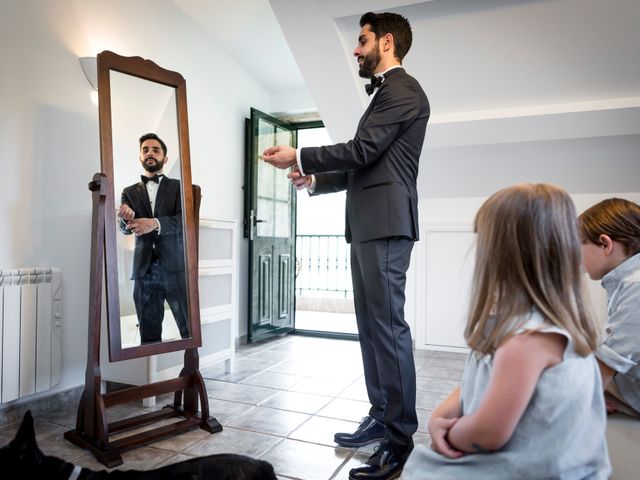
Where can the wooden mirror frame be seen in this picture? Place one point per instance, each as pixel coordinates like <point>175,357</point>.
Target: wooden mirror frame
<point>92,430</point>
<point>147,70</point>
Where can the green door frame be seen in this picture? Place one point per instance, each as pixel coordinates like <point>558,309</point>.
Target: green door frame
<point>319,333</point>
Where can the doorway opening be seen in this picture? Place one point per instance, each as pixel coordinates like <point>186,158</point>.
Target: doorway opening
<point>299,262</point>
<point>324,292</point>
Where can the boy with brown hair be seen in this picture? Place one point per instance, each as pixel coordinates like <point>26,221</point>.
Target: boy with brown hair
<point>610,232</point>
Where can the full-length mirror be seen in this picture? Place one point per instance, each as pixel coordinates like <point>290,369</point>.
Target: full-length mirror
<point>150,245</point>
<point>151,273</point>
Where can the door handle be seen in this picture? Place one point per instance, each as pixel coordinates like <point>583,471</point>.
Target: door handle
<point>253,221</point>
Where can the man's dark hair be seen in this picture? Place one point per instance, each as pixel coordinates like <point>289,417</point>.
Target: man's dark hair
<point>396,25</point>
<point>153,136</point>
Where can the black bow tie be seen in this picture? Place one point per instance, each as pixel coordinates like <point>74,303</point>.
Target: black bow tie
<point>376,81</point>
<point>155,178</point>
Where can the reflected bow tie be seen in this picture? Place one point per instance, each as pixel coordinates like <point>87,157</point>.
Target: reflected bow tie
<point>155,178</point>
<point>376,81</point>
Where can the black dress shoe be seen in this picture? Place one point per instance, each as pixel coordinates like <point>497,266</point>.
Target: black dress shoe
<point>384,464</point>
<point>369,431</point>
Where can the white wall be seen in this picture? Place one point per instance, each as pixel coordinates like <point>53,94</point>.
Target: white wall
<point>49,132</point>
<point>442,269</point>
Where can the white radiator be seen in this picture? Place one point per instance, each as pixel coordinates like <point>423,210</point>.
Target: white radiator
<point>31,331</point>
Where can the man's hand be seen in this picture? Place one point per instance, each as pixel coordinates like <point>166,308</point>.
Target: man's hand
<point>126,213</point>
<point>299,181</point>
<point>280,156</point>
<point>438,428</point>
<point>140,226</point>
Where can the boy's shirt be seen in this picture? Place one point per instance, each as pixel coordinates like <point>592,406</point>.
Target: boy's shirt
<point>620,347</point>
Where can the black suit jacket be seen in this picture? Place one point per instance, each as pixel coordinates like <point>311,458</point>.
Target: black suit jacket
<point>379,167</point>
<point>169,244</point>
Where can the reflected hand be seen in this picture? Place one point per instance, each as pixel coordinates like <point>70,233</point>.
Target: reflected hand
<point>280,156</point>
<point>140,226</point>
<point>298,180</point>
<point>126,213</point>
<point>438,428</point>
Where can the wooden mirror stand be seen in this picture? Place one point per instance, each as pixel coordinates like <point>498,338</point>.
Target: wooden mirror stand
<point>92,429</point>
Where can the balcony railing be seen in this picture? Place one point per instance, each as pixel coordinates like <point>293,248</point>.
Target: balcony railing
<point>323,264</point>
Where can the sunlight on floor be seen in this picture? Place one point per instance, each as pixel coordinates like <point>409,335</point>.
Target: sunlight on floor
<point>326,321</point>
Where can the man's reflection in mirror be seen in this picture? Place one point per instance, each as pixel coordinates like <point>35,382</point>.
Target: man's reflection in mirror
<point>151,210</point>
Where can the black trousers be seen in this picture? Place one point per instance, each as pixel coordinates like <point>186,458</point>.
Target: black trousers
<point>149,294</point>
<point>378,269</point>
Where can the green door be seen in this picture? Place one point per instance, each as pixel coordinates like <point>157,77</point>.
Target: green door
<point>270,209</point>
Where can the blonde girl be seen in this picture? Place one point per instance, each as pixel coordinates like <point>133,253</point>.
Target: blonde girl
<point>530,403</point>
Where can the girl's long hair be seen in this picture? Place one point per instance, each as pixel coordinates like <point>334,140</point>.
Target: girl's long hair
<point>528,257</point>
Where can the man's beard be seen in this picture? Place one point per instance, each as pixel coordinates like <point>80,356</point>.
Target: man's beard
<point>370,63</point>
<point>153,168</point>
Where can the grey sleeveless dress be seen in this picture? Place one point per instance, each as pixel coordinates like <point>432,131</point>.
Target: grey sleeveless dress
<point>561,434</point>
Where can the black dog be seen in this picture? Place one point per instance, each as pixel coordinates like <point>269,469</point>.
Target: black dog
<point>23,459</point>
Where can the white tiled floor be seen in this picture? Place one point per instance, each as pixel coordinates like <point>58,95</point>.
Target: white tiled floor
<point>283,401</point>
<point>326,322</point>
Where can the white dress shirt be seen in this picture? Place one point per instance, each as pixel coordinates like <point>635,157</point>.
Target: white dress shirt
<point>152,190</point>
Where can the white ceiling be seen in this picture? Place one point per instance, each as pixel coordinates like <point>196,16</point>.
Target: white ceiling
<point>470,55</point>
<point>249,32</point>
<point>487,54</point>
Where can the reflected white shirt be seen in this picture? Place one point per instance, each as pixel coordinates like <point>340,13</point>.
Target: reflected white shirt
<point>152,191</point>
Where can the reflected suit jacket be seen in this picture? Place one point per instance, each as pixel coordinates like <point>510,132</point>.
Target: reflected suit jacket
<point>168,245</point>
<point>379,167</point>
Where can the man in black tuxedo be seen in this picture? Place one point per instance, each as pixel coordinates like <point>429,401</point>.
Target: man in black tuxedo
<point>152,210</point>
<point>378,169</point>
